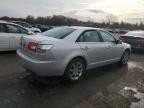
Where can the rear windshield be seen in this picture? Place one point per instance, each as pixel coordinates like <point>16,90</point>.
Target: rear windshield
<point>59,32</point>
<point>135,33</point>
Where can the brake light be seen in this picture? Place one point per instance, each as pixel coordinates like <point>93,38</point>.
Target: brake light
<point>44,48</point>
<point>32,46</point>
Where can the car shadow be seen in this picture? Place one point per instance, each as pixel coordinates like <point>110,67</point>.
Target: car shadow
<point>7,52</point>
<point>138,51</point>
<point>51,90</point>
<point>107,74</point>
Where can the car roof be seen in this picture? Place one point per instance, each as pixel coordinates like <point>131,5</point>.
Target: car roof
<point>7,22</point>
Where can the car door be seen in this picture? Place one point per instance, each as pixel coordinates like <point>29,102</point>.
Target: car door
<point>15,33</point>
<point>92,47</point>
<point>113,50</point>
<point>4,38</point>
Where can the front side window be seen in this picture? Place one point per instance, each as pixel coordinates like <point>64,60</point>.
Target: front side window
<point>59,32</point>
<point>107,37</point>
<point>89,36</point>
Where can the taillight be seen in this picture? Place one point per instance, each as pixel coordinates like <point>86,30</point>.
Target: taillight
<point>32,46</point>
<point>44,48</point>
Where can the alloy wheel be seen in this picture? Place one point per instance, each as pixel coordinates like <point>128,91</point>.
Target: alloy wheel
<point>125,57</point>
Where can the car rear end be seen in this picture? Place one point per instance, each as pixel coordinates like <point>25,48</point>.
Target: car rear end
<point>45,54</point>
<point>36,56</point>
<point>135,39</point>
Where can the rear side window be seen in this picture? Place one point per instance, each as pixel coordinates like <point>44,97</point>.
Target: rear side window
<point>89,36</point>
<point>59,32</point>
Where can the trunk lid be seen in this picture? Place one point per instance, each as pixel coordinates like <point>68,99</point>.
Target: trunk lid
<point>128,39</point>
<point>38,39</point>
<point>133,40</point>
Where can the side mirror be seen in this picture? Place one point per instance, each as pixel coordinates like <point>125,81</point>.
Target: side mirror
<point>30,33</point>
<point>118,41</point>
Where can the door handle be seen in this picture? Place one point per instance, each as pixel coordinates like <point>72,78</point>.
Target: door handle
<point>85,48</point>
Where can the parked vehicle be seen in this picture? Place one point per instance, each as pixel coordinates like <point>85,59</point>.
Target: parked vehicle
<point>10,35</point>
<point>134,38</point>
<point>121,31</point>
<point>69,51</point>
<point>43,28</point>
<point>28,26</point>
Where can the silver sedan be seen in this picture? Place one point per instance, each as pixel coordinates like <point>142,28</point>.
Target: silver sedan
<point>69,51</point>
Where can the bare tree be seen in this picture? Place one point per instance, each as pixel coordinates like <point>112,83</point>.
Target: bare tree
<point>110,18</point>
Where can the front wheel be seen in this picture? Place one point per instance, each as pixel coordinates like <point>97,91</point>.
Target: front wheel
<point>75,70</point>
<point>125,58</point>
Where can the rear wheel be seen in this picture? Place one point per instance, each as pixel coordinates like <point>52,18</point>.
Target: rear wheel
<point>125,58</point>
<point>75,70</point>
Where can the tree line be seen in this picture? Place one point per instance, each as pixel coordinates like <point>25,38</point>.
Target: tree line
<point>59,20</point>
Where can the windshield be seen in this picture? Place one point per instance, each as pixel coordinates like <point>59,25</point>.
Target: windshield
<point>139,33</point>
<point>26,25</point>
<point>59,32</point>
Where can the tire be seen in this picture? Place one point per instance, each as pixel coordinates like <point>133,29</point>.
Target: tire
<point>74,70</point>
<point>125,58</point>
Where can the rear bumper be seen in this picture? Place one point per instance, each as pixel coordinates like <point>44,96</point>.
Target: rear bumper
<point>41,68</point>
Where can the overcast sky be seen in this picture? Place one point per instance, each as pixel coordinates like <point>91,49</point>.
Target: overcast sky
<point>95,10</point>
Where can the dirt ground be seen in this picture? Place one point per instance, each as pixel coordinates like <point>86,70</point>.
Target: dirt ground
<point>111,86</point>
